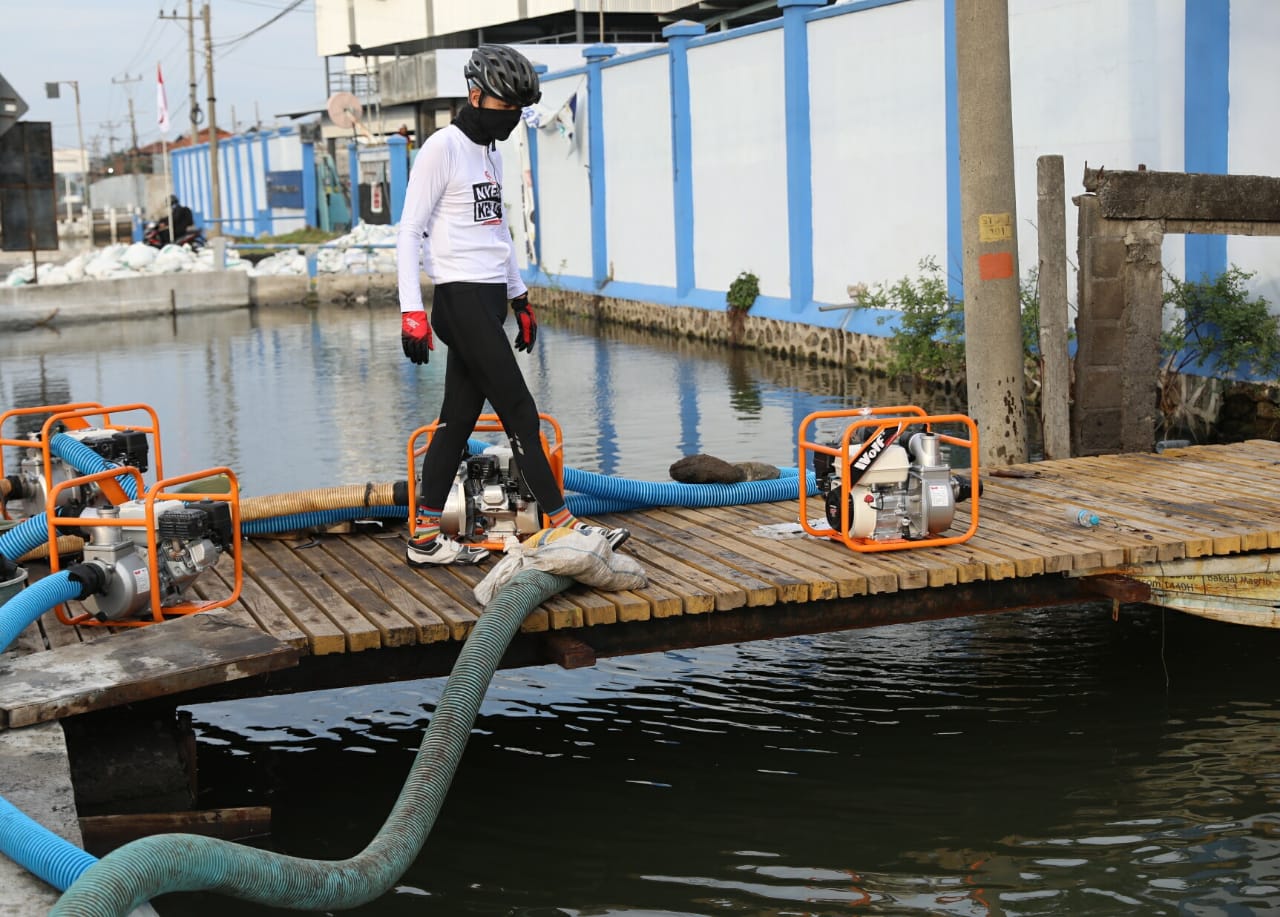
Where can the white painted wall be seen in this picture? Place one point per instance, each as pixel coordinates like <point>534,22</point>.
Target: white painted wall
<point>515,187</point>
<point>739,163</point>
<point>1098,82</point>
<point>564,195</point>
<point>639,207</point>
<point>285,152</point>
<point>1253,137</point>
<point>879,158</point>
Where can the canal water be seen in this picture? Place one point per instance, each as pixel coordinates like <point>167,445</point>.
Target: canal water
<point>1053,762</point>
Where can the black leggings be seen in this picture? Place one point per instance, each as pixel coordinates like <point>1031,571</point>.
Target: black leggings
<point>468,317</point>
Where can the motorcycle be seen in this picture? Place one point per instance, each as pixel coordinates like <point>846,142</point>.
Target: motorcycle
<point>156,234</point>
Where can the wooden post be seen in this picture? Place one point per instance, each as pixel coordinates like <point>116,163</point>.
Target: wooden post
<point>1055,365</point>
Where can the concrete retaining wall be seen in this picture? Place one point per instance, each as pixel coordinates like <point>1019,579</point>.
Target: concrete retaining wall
<point>131,297</point>
<point>769,335</point>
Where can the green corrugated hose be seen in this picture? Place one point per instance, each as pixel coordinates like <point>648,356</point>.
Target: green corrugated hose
<point>163,863</point>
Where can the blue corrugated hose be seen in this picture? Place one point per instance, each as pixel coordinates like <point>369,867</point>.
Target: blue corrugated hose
<point>137,872</point>
<point>22,840</point>
<point>34,601</point>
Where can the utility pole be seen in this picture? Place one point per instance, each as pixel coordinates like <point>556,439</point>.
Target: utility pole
<point>214,190</point>
<point>51,91</point>
<point>110,128</point>
<point>133,124</point>
<point>88,171</point>
<point>194,108</point>
<point>992,325</point>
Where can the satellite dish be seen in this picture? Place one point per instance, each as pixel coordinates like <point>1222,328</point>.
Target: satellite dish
<point>344,109</point>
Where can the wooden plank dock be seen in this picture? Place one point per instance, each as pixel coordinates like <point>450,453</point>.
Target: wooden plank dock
<point>340,609</point>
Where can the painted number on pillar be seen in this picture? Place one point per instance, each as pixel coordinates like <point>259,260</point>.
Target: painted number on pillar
<point>995,227</point>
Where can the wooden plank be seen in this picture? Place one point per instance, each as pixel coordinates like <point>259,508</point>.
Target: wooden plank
<point>357,630</point>
<point>745,557</point>
<point>57,634</point>
<point>330,561</point>
<point>706,554</point>
<point>368,565</point>
<point>662,602</point>
<point>323,635</point>
<point>1146,483</point>
<point>630,606</point>
<point>881,576</point>
<point>387,554</point>
<point>1239,500</point>
<point>1047,493</point>
<point>211,589</point>
<point>104,833</point>
<point>191,652</point>
<point>268,614</point>
<point>692,584</point>
<point>29,640</point>
<point>694,598</point>
<point>791,554</point>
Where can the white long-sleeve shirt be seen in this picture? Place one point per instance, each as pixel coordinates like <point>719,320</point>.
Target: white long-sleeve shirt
<point>453,217</point>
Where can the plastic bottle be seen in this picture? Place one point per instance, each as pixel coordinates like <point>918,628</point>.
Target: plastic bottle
<point>1085,518</point>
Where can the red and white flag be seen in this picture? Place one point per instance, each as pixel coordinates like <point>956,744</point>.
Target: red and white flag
<point>162,103</point>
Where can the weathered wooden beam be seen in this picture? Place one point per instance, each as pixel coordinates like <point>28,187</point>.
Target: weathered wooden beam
<point>170,658</point>
<point>1115,586</point>
<point>1190,197</point>
<point>569,652</point>
<point>104,833</point>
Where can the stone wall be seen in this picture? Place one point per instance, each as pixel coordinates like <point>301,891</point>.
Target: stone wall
<point>767,335</point>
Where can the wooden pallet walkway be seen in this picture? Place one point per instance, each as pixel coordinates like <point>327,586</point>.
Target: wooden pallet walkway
<point>353,594</point>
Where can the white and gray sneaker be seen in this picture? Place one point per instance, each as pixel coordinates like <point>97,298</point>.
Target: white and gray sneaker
<point>615,537</point>
<point>443,550</point>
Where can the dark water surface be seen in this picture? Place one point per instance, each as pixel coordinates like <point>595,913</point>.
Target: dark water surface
<point>1054,762</point>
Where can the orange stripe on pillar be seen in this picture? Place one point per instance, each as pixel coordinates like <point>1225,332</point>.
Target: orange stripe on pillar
<point>995,266</point>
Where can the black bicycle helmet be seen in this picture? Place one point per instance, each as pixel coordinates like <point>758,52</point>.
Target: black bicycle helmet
<point>503,73</point>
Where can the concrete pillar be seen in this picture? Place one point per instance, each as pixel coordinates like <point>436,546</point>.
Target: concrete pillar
<point>1055,364</point>
<point>1117,334</point>
<point>1144,304</point>
<point>993,330</point>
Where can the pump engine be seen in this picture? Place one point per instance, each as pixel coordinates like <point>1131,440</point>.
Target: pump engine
<point>117,447</point>
<point>489,500</point>
<point>894,492</point>
<point>190,537</point>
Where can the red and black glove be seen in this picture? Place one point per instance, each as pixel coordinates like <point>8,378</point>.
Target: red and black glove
<point>415,336</point>
<point>526,324</point>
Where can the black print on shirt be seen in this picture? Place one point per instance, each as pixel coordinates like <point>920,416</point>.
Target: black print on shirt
<point>488,202</point>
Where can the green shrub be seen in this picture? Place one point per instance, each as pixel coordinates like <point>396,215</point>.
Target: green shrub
<point>1216,325</point>
<point>743,292</point>
<point>928,342</point>
<point>1213,326</point>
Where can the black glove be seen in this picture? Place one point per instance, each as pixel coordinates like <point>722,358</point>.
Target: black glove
<point>415,336</point>
<point>526,323</point>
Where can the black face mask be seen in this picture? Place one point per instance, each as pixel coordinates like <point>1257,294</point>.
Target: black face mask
<point>485,125</point>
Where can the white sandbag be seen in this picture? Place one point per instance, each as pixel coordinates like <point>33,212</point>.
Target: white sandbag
<point>585,557</point>
<point>139,256</point>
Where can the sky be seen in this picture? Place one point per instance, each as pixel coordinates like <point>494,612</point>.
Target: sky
<point>106,45</point>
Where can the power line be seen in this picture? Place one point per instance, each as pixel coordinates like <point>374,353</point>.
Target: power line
<point>278,16</point>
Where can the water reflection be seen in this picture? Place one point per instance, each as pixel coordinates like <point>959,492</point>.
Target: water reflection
<point>1030,763</point>
<point>292,398</point>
